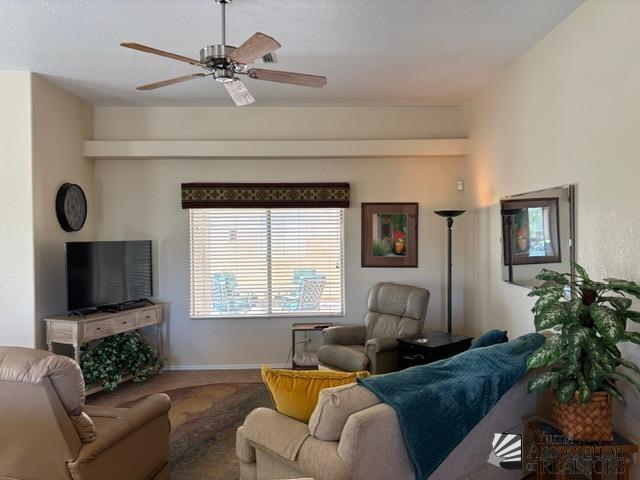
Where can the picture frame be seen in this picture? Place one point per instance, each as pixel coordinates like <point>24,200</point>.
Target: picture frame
<point>389,235</point>
<point>532,245</point>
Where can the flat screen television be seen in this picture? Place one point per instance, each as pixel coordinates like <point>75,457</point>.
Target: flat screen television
<point>103,274</point>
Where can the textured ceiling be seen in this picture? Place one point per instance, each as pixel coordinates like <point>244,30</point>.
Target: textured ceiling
<point>372,51</point>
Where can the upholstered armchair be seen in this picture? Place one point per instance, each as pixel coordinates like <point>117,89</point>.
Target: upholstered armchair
<point>48,433</point>
<point>393,311</point>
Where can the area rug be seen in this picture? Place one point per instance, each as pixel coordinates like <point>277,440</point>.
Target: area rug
<point>204,420</point>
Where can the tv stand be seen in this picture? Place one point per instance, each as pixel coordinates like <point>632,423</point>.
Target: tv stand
<point>78,330</point>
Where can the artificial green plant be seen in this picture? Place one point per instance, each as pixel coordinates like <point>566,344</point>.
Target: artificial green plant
<point>112,358</point>
<point>589,318</point>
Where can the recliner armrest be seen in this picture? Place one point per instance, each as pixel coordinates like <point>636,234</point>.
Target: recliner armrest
<point>125,421</point>
<point>344,335</point>
<point>381,344</point>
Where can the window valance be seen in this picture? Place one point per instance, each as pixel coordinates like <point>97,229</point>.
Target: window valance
<point>265,195</point>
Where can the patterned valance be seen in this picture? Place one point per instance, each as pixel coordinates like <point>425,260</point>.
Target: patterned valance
<point>265,195</point>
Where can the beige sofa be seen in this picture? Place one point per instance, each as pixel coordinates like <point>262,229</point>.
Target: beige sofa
<point>352,436</point>
<point>48,433</point>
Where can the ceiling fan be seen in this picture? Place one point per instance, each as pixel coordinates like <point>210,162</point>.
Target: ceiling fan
<point>223,62</point>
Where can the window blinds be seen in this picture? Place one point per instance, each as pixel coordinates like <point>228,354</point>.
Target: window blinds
<point>266,262</point>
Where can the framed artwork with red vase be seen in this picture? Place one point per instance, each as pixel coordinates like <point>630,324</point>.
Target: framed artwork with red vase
<point>390,235</point>
<point>535,231</point>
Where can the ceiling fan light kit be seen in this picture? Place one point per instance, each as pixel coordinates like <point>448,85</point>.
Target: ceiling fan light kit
<point>223,62</point>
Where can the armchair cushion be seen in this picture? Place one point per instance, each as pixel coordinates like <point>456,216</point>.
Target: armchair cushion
<point>344,335</point>
<point>295,393</point>
<point>350,358</point>
<point>335,406</point>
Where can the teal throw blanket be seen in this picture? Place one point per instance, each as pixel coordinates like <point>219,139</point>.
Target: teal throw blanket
<point>438,404</point>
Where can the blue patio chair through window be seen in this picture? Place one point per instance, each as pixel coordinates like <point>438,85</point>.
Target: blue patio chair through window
<point>308,287</point>
<point>226,298</point>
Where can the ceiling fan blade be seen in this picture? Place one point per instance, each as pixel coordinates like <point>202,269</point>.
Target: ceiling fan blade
<point>155,51</point>
<point>291,78</point>
<point>239,93</point>
<point>171,81</point>
<point>257,46</point>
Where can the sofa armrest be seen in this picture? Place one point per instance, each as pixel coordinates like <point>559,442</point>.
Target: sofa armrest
<point>125,422</point>
<point>344,335</point>
<point>372,443</point>
<point>380,344</point>
<point>275,432</point>
<point>244,451</point>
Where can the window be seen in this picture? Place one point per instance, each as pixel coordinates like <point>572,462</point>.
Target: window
<point>539,232</point>
<point>266,262</point>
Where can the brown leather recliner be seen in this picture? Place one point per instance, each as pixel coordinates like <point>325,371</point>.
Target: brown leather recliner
<point>47,432</point>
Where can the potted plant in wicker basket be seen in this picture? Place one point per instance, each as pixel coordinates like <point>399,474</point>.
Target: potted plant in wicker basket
<point>588,319</point>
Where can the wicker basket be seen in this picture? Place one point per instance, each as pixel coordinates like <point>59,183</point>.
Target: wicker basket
<point>590,422</point>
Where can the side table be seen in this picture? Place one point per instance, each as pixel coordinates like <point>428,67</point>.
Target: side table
<point>299,361</point>
<point>430,347</point>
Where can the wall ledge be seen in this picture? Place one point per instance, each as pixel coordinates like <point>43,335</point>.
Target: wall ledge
<point>213,149</point>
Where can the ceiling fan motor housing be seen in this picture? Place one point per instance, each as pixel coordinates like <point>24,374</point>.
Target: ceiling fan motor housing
<point>216,55</point>
<point>216,58</point>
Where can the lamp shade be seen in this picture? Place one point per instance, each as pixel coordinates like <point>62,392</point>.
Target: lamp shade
<point>449,213</point>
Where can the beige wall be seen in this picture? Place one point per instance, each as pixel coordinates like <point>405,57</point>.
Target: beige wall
<point>141,199</point>
<point>283,123</point>
<point>41,133</point>
<point>568,111</point>
<point>60,123</point>
<point>16,212</point>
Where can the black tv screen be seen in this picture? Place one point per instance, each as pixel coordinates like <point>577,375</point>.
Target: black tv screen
<point>107,273</point>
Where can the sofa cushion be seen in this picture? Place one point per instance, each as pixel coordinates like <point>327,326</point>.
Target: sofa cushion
<point>335,406</point>
<point>350,358</point>
<point>295,392</point>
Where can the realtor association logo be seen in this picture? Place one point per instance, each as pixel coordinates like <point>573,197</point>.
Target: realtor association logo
<point>506,451</point>
<point>547,452</point>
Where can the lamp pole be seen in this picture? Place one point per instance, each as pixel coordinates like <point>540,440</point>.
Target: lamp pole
<point>449,215</point>
<point>509,214</point>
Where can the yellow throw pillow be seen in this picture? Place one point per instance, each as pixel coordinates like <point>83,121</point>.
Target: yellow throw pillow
<point>295,392</point>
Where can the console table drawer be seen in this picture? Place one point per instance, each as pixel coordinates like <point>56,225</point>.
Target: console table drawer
<point>148,317</point>
<point>122,324</point>
<point>95,330</point>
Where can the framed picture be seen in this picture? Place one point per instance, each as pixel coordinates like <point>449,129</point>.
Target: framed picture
<point>390,235</point>
<point>534,232</point>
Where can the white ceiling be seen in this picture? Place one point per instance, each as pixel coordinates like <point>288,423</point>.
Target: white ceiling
<point>372,51</point>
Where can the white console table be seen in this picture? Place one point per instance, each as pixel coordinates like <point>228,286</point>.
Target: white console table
<point>77,330</point>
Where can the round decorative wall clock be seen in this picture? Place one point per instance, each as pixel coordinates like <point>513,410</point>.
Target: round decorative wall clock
<point>71,207</point>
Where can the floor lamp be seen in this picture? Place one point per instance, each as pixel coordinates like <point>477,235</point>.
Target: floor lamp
<point>449,215</point>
